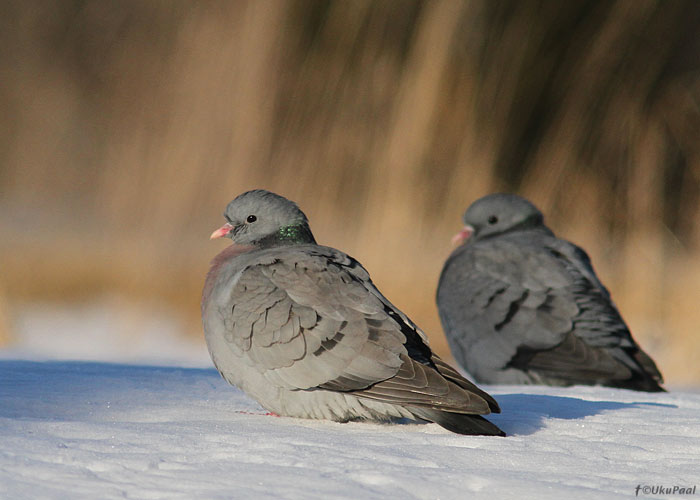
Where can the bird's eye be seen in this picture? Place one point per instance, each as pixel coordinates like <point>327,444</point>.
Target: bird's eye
<point>251,219</point>
<point>493,219</point>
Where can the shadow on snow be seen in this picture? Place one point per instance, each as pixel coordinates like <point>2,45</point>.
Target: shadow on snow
<point>524,414</point>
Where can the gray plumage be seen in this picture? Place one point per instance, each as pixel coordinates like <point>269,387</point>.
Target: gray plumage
<point>302,329</point>
<point>521,306</point>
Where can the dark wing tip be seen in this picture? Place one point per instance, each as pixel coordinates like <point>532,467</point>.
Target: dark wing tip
<point>459,423</point>
<point>642,383</point>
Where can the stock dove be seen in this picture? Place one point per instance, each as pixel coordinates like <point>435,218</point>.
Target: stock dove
<point>521,306</point>
<point>302,329</point>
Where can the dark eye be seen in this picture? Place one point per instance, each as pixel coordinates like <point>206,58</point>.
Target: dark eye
<point>251,219</point>
<point>493,219</point>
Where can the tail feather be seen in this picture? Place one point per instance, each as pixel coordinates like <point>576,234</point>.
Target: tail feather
<point>460,423</point>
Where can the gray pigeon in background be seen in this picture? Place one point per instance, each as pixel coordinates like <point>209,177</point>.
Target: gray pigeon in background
<point>521,306</point>
<point>301,329</point>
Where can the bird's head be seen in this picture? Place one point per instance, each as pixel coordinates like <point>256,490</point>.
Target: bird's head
<point>497,214</point>
<point>261,218</point>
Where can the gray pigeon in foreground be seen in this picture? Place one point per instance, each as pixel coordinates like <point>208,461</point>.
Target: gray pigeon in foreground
<point>521,306</point>
<point>301,329</point>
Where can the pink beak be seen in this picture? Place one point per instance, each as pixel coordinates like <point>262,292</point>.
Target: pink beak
<point>222,231</point>
<point>463,235</point>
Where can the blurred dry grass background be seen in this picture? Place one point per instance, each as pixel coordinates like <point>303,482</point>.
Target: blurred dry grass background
<point>127,125</point>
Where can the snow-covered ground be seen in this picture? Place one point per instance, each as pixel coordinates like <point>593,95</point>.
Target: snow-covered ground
<point>97,429</point>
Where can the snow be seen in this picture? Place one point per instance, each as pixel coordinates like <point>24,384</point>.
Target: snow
<point>98,429</point>
<point>101,430</point>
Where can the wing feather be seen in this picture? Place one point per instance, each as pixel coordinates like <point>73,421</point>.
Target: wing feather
<point>312,319</point>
